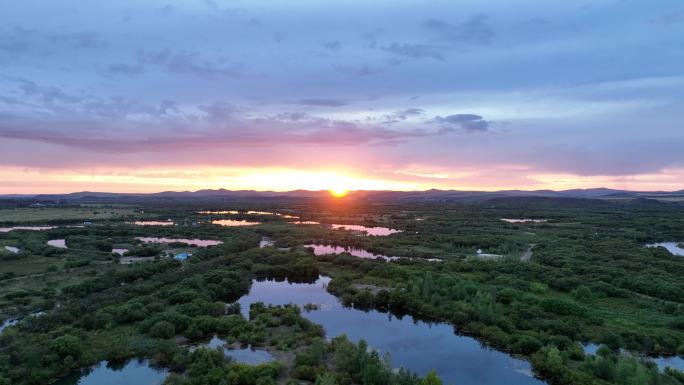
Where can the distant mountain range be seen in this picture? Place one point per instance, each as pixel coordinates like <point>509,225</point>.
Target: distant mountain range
<point>428,195</point>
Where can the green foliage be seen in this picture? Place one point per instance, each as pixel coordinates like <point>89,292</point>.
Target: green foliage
<point>163,329</point>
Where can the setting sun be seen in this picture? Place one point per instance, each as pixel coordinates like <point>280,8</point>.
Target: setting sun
<point>339,192</point>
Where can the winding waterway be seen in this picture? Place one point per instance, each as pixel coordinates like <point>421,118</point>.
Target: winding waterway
<point>414,344</point>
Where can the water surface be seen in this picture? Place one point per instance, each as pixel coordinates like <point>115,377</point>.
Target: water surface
<point>131,373</point>
<point>12,249</point>
<point>8,322</point>
<point>246,355</point>
<point>265,242</point>
<point>31,228</point>
<point>674,362</point>
<point>523,220</point>
<point>58,243</point>
<point>233,222</point>
<point>672,247</point>
<point>413,344</point>
<point>129,260</point>
<point>375,231</point>
<point>154,223</point>
<point>361,253</point>
<point>196,242</point>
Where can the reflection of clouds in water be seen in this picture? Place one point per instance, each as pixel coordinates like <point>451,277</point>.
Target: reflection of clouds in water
<point>522,369</point>
<point>416,345</point>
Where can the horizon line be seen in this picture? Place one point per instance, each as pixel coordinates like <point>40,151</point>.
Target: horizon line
<point>28,194</point>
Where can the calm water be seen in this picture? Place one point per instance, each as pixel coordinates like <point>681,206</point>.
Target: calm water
<point>246,355</point>
<point>197,242</point>
<point>413,344</point>
<point>377,231</point>
<point>12,249</point>
<point>33,228</point>
<point>672,247</point>
<point>8,322</point>
<point>130,373</point>
<point>662,362</point>
<point>361,253</point>
<point>153,223</point>
<point>523,220</point>
<point>232,222</point>
<point>250,212</point>
<point>129,260</point>
<point>265,242</point>
<point>59,243</point>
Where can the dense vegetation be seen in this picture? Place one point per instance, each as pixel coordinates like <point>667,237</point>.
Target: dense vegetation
<point>580,276</point>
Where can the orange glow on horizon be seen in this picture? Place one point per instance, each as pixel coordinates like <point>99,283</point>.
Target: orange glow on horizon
<point>339,182</point>
<point>339,192</point>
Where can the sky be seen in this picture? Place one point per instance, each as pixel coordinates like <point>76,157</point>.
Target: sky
<point>133,96</point>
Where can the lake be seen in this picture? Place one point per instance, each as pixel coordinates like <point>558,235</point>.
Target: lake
<point>674,362</point>
<point>196,242</point>
<point>233,222</point>
<point>672,247</point>
<point>153,223</point>
<point>130,373</point>
<point>58,243</point>
<point>361,253</point>
<point>30,228</point>
<point>523,220</point>
<point>375,231</point>
<point>265,242</point>
<point>8,322</point>
<point>414,344</point>
<point>12,249</point>
<point>246,355</point>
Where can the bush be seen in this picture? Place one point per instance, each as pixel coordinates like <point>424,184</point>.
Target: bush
<point>163,329</point>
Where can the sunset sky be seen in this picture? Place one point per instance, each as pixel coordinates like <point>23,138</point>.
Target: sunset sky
<point>136,96</point>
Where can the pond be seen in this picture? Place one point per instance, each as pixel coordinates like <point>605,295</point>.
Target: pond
<point>58,243</point>
<point>12,249</point>
<point>523,220</point>
<point>375,231</point>
<point>30,228</point>
<point>129,260</point>
<point>8,322</point>
<point>265,242</point>
<point>674,362</point>
<point>246,355</point>
<point>154,223</point>
<point>130,373</point>
<point>414,344</point>
<point>672,247</point>
<point>250,212</point>
<point>233,222</point>
<point>196,242</point>
<point>361,253</point>
<point>13,321</point>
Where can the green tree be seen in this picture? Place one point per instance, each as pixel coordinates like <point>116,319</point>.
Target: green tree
<point>431,379</point>
<point>162,329</point>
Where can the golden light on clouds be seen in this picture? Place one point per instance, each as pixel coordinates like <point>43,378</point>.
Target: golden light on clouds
<point>339,182</point>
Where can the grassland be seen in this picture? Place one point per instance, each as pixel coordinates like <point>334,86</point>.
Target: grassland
<point>47,214</point>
